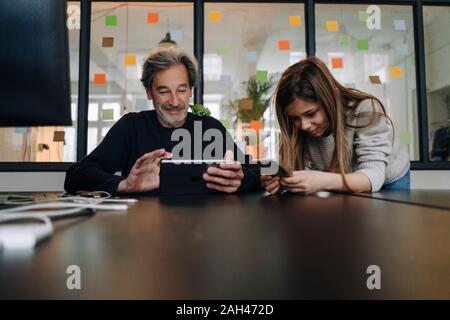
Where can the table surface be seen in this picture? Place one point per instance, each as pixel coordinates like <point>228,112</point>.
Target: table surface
<point>247,246</point>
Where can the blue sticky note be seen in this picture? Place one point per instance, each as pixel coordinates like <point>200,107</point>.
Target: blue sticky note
<point>176,34</point>
<point>20,130</point>
<point>402,49</point>
<point>141,104</point>
<point>400,25</point>
<point>251,56</point>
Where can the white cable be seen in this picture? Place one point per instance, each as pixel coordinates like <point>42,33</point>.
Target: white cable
<point>23,236</point>
<point>57,205</point>
<point>49,214</point>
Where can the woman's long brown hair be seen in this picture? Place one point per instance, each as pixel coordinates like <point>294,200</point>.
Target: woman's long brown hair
<point>310,80</point>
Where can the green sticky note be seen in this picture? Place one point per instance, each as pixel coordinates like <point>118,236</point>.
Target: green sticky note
<point>261,76</point>
<point>345,41</point>
<point>226,123</point>
<point>108,114</point>
<point>223,49</point>
<point>405,137</point>
<point>111,20</point>
<point>363,16</point>
<point>362,44</point>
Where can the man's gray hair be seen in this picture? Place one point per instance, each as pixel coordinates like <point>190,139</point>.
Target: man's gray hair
<point>163,58</point>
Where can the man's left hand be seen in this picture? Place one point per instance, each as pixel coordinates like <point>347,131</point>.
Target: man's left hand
<point>226,177</point>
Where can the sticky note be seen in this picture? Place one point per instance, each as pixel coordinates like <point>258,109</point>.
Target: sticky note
<point>375,79</point>
<point>107,42</point>
<point>225,122</point>
<point>345,41</point>
<point>20,130</point>
<point>215,16</point>
<point>295,21</point>
<point>108,114</point>
<point>284,45</point>
<point>176,34</point>
<point>110,21</point>
<point>405,137</point>
<point>337,63</point>
<point>332,26</point>
<point>58,136</point>
<point>363,16</point>
<point>223,49</point>
<point>251,56</point>
<point>399,25</point>
<point>141,104</point>
<point>402,49</point>
<point>395,72</point>
<point>130,59</point>
<point>153,17</point>
<point>261,76</point>
<point>362,44</point>
<point>99,78</point>
<point>246,104</point>
<point>225,79</point>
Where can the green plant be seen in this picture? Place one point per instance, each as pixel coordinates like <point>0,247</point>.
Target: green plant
<point>259,94</point>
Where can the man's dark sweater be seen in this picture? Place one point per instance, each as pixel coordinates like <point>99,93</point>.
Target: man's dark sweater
<point>133,135</point>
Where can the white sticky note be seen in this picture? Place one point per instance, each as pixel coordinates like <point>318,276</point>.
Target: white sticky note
<point>225,79</point>
<point>176,34</point>
<point>400,25</point>
<point>402,49</point>
<point>251,56</point>
<point>141,104</point>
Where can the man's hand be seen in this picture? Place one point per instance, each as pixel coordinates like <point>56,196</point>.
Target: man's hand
<point>144,176</point>
<point>305,181</point>
<point>227,177</point>
<point>271,183</point>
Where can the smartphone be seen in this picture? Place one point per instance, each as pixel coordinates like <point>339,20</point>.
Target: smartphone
<point>273,168</point>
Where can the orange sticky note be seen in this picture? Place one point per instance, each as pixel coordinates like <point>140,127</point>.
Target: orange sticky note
<point>108,42</point>
<point>396,72</point>
<point>99,78</point>
<point>246,104</point>
<point>332,26</point>
<point>295,21</point>
<point>284,45</point>
<point>153,17</point>
<point>337,63</point>
<point>215,16</point>
<point>130,60</point>
<point>58,136</point>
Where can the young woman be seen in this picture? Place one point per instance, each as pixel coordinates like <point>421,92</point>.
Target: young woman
<point>332,137</point>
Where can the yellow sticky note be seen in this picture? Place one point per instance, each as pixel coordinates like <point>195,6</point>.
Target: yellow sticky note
<point>130,59</point>
<point>332,26</point>
<point>396,72</point>
<point>215,16</point>
<point>295,21</point>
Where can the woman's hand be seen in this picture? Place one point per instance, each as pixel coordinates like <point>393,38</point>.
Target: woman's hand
<point>305,181</point>
<point>271,183</point>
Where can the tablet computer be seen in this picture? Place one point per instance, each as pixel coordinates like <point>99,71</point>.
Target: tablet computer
<point>185,177</point>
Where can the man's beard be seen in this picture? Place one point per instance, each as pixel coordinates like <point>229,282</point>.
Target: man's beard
<point>173,121</point>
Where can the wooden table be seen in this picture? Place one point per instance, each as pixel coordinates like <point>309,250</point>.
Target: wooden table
<point>248,246</point>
